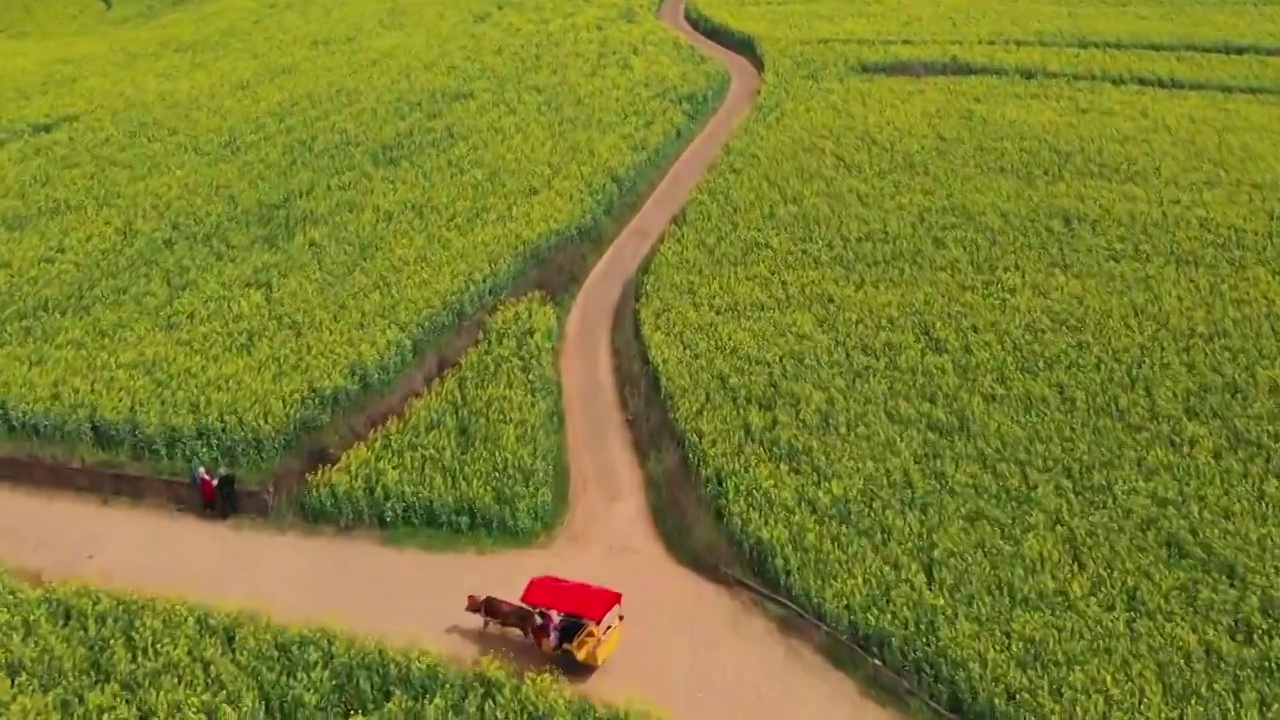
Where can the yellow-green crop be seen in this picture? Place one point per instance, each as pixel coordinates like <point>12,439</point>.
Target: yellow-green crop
<point>478,453</point>
<point>74,653</point>
<point>222,219</point>
<point>1225,25</point>
<point>985,371</point>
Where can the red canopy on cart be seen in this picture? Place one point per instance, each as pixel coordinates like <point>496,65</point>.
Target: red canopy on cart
<point>589,602</point>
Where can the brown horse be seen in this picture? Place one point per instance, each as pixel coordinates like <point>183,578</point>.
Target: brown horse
<point>506,614</point>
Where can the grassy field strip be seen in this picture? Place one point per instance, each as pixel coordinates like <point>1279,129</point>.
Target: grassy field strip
<point>1226,25</point>
<point>1200,71</point>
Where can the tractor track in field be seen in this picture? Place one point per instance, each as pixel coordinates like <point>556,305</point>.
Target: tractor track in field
<point>692,648</point>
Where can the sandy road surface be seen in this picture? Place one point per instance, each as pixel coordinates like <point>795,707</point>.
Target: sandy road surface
<point>690,647</point>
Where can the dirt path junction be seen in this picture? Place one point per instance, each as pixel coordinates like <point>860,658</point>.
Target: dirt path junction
<point>691,648</point>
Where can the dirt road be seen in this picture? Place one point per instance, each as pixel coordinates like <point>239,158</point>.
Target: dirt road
<point>691,647</point>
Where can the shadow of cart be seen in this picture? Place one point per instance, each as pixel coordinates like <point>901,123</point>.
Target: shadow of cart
<point>521,655</point>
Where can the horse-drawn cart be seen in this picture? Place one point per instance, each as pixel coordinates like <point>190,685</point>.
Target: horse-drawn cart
<point>590,617</point>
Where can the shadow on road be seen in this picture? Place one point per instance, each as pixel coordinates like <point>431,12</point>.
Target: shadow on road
<point>521,655</point>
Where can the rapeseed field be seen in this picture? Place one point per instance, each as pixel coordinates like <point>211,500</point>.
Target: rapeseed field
<point>223,219</point>
<point>973,339</point>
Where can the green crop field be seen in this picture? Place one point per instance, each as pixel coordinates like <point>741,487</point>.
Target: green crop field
<point>1229,25</point>
<point>73,653</point>
<point>984,369</point>
<point>478,454</point>
<point>222,219</point>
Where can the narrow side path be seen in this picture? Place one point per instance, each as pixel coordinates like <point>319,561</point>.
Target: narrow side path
<point>608,501</point>
<point>691,648</point>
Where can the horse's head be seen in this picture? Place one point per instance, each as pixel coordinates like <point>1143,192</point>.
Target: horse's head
<point>474,603</point>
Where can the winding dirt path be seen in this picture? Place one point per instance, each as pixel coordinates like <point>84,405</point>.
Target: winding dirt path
<point>692,648</point>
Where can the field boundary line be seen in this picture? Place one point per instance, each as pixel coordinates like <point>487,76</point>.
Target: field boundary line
<point>1191,48</point>
<point>920,68</point>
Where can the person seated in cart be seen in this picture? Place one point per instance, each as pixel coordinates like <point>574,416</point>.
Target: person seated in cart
<point>587,619</point>
<point>549,629</point>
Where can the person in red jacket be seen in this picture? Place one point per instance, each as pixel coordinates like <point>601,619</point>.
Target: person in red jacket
<point>208,490</point>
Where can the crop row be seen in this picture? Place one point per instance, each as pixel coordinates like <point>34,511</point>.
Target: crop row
<point>215,234</point>
<point>477,454</point>
<point>1244,73</point>
<point>982,372</point>
<point>1220,26</point>
<point>74,653</point>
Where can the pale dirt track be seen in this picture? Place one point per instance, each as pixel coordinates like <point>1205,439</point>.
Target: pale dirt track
<point>690,647</point>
